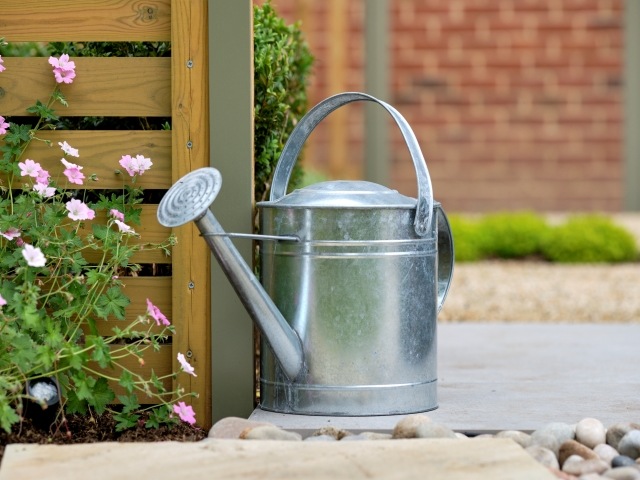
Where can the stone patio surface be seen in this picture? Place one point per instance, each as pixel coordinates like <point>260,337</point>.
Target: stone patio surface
<point>504,376</point>
<point>491,377</point>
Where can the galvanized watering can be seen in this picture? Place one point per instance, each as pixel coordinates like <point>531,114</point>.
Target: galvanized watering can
<point>353,275</point>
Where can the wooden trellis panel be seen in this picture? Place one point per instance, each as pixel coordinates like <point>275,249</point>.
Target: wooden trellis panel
<point>175,87</point>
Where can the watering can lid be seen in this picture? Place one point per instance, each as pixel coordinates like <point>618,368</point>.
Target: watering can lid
<point>343,194</point>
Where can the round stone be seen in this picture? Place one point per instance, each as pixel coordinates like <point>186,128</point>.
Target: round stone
<point>630,444</point>
<point>232,427</point>
<point>605,452</point>
<point>623,461</point>
<point>622,473</point>
<point>560,431</point>
<point>270,432</point>
<point>591,432</point>
<point>406,427</point>
<point>616,431</point>
<point>543,455</point>
<point>320,438</point>
<point>521,438</point>
<point>434,430</point>
<point>571,447</point>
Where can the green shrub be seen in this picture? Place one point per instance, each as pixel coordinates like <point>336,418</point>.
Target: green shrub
<point>282,64</point>
<point>512,235</point>
<point>588,239</point>
<point>467,241</point>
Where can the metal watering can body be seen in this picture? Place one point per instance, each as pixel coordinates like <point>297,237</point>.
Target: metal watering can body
<point>362,287</point>
<point>353,275</point>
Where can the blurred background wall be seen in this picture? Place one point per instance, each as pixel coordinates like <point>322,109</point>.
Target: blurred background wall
<point>517,104</point>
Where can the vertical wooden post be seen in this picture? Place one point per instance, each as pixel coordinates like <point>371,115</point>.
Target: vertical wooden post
<point>376,131</point>
<point>631,175</point>
<point>231,105</point>
<point>190,150</point>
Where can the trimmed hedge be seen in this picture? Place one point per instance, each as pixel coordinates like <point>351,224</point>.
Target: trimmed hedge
<point>518,235</point>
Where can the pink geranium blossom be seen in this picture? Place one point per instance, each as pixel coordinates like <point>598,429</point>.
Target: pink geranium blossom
<point>68,149</point>
<point>117,214</point>
<point>43,176</point>
<point>33,256</point>
<point>124,228</point>
<point>155,313</point>
<point>63,68</point>
<point>11,233</point>
<point>44,190</point>
<point>72,172</point>
<point>79,210</point>
<point>3,125</point>
<point>137,165</point>
<point>185,412</point>
<point>186,366</point>
<point>2,68</point>
<point>2,301</point>
<point>29,168</point>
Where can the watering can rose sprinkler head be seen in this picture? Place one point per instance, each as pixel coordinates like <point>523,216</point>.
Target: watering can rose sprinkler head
<point>189,200</point>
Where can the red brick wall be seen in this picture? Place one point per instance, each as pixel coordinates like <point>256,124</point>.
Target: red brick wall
<point>516,103</point>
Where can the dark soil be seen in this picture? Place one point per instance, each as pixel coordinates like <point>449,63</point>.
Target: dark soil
<point>88,429</point>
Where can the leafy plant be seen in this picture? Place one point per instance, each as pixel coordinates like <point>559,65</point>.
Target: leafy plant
<point>587,239</point>
<point>62,260</point>
<point>512,235</point>
<point>282,64</point>
<point>468,244</point>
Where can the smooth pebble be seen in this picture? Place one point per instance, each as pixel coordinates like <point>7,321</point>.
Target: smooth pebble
<point>623,473</point>
<point>576,465</point>
<point>605,452</point>
<point>434,430</point>
<point>406,428</point>
<point>270,432</point>
<point>521,438</point>
<point>571,447</point>
<point>616,431</point>
<point>591,432</point>
<point>623,461</point>
<point>630,444</point>
<point>543,455</point>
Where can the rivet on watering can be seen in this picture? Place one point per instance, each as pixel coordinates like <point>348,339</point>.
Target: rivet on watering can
<point>189,354</point>
<point>189,63</point>
<point>189,144</point>
<point>191,285</point>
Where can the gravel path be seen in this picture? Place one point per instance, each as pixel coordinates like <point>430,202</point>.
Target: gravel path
<point>540,292</point>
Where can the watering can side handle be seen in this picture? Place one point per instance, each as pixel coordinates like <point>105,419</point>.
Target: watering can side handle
<point>305,126</point>
<point>446,255</point>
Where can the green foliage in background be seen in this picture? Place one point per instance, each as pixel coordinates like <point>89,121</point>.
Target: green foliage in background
<point>589,238</point>
<point>282,64</point>
<point>517,235</point>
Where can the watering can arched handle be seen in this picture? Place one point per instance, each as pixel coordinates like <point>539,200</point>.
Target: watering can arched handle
<point>305,126</point>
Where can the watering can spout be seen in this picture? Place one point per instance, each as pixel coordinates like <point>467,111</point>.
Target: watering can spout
<point>189,200</point>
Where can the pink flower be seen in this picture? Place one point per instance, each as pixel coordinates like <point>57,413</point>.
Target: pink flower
<point>124,228</point>
<point>155,313</point>
<point>3,125</point>
<point>2,301</point>
<point>11,233</point>
<point>79,210</point>
<point>44,190</point>
<point>185,412</point>
<point>72,172</point>
<point>68,149</point>
<point>29,168</point>
<point>185,365</point>
<point>63,69</point>
<point>135,166</point>
<point>2,68</point>
<point>33,256</point>
<point>117,214</point>
<point>43,176</point>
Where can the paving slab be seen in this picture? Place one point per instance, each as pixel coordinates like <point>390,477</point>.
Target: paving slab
<point>505,376</point>
<point>436,459</point>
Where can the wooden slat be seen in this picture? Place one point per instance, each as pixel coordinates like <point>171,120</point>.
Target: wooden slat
<point>138,289</point>
<point>190,101</point>
<point>86,20</point>
<point>160,362</point>
<point>149,230</point>
<point>117,87</point>
<point>101,150</point>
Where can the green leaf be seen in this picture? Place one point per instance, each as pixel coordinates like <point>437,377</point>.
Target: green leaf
<point>129,403</point>
<point>113,302</point>
<point>75,404</point>
<point>126,381</point>
<point>100,350</point>
<point>8,416</point>
<point>125,420</point>
<point>102,395</point>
